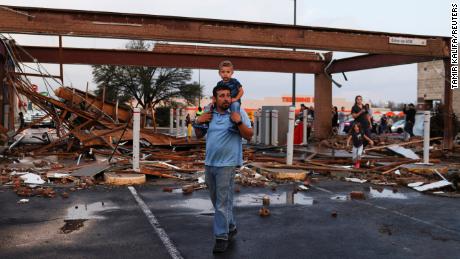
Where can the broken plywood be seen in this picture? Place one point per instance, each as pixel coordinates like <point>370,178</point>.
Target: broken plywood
<point>78,97</point>
<point>90,170</point>
<point>432,186</point>
<point>423,169</point>
<point>282,174</point>
<point>124,178</point>
<point>403,151</point>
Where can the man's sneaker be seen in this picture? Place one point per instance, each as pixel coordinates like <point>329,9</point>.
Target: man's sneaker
<point>220,246</point>
<point>232,234</point>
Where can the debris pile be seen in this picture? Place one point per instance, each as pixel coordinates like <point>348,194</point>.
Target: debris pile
<point>92,136</point>
<point>264,167</point>
<point>391,162</point>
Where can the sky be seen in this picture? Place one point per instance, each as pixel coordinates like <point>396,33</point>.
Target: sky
<point>399,83</point>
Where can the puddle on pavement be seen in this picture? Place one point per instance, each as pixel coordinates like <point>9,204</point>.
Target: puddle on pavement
<point>386,229</point>
<point>340,198</point>
<point>203,206</point>
<point>283,198</point>
<point>377,193</point>
<point>386,193</point>
<point>78,214</point>
<point>89,211</point>
<point>178,190</point>
<point>72,225</point>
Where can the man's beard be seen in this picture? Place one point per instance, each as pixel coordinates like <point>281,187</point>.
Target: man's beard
<point>225,105</point>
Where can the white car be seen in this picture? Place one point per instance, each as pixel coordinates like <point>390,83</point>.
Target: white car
<point>398,127</point>
<point>32,115</point>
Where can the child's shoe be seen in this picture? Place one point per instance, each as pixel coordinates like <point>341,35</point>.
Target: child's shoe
<point>358,164</point>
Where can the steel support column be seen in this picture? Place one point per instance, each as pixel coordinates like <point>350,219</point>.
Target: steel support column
<point>323,106</point>
<point>2,82</point>
<point>61,66</point>
<point>448,110</point>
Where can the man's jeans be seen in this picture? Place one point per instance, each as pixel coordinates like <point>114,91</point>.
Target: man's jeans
<point>220,181</point>
<point>341,128</point>
<point>408,127</point>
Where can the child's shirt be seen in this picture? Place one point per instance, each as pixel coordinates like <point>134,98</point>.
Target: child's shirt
<point>357,138</point>
<point>234,86</point>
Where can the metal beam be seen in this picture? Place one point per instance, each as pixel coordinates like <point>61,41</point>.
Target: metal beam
<point>3,87</point>
<point>374,61</point>
<point>179,56</point>
<point>152,27</point>
<point>2,62</point>
<point>239,52</point>
<point>36,75</point>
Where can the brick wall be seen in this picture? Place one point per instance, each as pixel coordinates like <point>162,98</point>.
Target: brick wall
<point>430,83</point>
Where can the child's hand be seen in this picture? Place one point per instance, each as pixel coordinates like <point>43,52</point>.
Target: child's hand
<point>234,100</point>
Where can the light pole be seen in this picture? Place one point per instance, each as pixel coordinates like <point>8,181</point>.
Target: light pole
<point>199,83</point>
<point>293,74</point>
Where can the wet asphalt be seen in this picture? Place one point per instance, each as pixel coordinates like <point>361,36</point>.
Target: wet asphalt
<point>107,222</point>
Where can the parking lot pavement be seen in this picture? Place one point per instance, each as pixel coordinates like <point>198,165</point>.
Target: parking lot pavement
<point>114,227</point>
<point>388,224</point>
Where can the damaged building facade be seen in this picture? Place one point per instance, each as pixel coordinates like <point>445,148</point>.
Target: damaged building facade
<point>430,85</point>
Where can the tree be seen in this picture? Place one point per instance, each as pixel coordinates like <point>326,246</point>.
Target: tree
<point>391,105</point>
<point>149,86</point>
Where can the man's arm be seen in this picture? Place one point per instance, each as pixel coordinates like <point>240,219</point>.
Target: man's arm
<point>245,131</point>
<point>205,117</point>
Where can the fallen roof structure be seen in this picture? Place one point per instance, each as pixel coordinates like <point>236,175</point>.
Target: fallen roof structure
<point>63,22</point>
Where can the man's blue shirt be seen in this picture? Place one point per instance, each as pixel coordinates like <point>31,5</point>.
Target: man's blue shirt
<point>224,147</point>
<point>234,86</point>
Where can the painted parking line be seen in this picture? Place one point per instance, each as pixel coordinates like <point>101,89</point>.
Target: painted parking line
<point>172,250</point>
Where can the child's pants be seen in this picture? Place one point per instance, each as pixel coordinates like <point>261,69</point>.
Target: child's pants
<point>235,107</point>
<point>357,152</point>
<point>341,128</point>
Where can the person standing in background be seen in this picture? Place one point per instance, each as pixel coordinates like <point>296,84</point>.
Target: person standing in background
<point>341,117</point>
